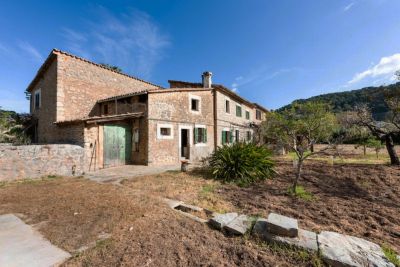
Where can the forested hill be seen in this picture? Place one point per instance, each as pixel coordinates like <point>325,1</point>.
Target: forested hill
<point>346,101</point>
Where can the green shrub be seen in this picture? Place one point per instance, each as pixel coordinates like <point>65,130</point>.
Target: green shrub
<point>241,163</point>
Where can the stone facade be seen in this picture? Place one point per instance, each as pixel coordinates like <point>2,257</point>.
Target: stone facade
<point>227,119</point>
<point>81,83</point>
<point>173,108</point>
<point>79,98</point>
<point>33,161</point>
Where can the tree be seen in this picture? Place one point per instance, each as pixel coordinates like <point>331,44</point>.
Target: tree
<point>299,128</point>
<point>375,144</point>
<point>12,127</point>
<point>111,67</point>
<point>383,130</point>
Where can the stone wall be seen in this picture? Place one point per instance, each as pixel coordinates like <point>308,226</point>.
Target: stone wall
<point>33,161</point>
<point>229,121</point>
<point>80,84</point>
<point>173,108</point>
<point>47,112</point>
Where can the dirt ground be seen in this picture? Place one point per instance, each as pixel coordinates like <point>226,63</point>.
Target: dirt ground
<point>360,200</point>
<point>75,212</point>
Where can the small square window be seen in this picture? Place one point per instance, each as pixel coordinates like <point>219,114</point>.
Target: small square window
<point>195,104</point>
<point>227,106</point>
<point>165,131</point>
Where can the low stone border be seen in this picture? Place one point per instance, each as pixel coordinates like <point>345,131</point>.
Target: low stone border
<point>336,249</point>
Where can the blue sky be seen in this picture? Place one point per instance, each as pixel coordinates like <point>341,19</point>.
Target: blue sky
<point>270,52</point>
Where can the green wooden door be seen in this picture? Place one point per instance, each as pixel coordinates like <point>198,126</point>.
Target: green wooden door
<point>117,145</point>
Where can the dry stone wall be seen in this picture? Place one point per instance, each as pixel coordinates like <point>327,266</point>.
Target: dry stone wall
<point>33,161</point>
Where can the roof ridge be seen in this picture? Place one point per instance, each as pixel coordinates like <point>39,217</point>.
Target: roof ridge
<point>101,66</point>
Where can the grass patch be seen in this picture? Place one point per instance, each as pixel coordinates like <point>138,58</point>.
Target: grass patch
<point>297,254</point>
<point>391,255</point>
<point>103,243</point>
<point>300,192</point>
<point>208,188</point>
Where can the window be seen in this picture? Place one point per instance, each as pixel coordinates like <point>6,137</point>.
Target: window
<point>195,104</point>
<point>200,135</point>
<point>238,111</point>
<point>105,109</point>
<point>247,115</point>
<point>165,131</point>
<point>237,136</point>
<point>227,106</point>
<point>37,99</point>
<point>258,114</point>
<point>248,135</point>
<point>226,137</point>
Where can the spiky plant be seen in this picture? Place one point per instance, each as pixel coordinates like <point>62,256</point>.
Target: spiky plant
<point>241,163</point>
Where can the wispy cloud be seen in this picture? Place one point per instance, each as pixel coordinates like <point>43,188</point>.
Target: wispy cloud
<point>258,76</point>
<point>31,51</point>
<point>348,7</point>
<point>384,70</point>
<point>3,49</point>
<point>132,41</point>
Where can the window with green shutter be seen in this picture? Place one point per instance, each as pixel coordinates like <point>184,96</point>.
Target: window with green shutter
<point>247,115</point>
<point>238,111</point>
<point>227,137</point>
<point>200,135</point>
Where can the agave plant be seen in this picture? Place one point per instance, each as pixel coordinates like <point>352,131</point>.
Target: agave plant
<point>241,163</point>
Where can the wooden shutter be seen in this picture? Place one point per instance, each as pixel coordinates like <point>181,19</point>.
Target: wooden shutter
<point>205,135</point>
<point>231,136</point>
<point>196,135</point>
<point>223,138</point>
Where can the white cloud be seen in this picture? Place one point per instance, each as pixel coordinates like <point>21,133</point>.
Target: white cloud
<point>31,51</point>
<point>385,69</point>
<point>132,41</point>
<point>348,7</point>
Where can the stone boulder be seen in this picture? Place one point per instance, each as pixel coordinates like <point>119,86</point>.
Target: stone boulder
<point>282,225</point>
<point>219,221</point>
<point>344,251</point>
<point>305,239</point>
<point>239,225</point>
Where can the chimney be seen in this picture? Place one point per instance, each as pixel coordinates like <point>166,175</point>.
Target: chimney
<point>207,79</point>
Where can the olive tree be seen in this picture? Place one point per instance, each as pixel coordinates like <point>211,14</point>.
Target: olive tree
<point>383,130</point>
<point>299,128</point>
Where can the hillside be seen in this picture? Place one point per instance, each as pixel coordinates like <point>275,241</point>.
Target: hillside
<point>346,101</point>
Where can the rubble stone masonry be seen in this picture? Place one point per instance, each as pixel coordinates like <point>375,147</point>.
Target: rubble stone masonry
<point>33,161</point>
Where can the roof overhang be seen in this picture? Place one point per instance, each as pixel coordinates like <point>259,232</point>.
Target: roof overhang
<point>100,119</point>
<point>143,92</point>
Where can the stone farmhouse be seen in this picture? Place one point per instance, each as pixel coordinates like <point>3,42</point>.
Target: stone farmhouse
<point>119,119</point>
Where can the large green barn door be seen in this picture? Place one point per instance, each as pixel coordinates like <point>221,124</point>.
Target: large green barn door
<point>117,145</point>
